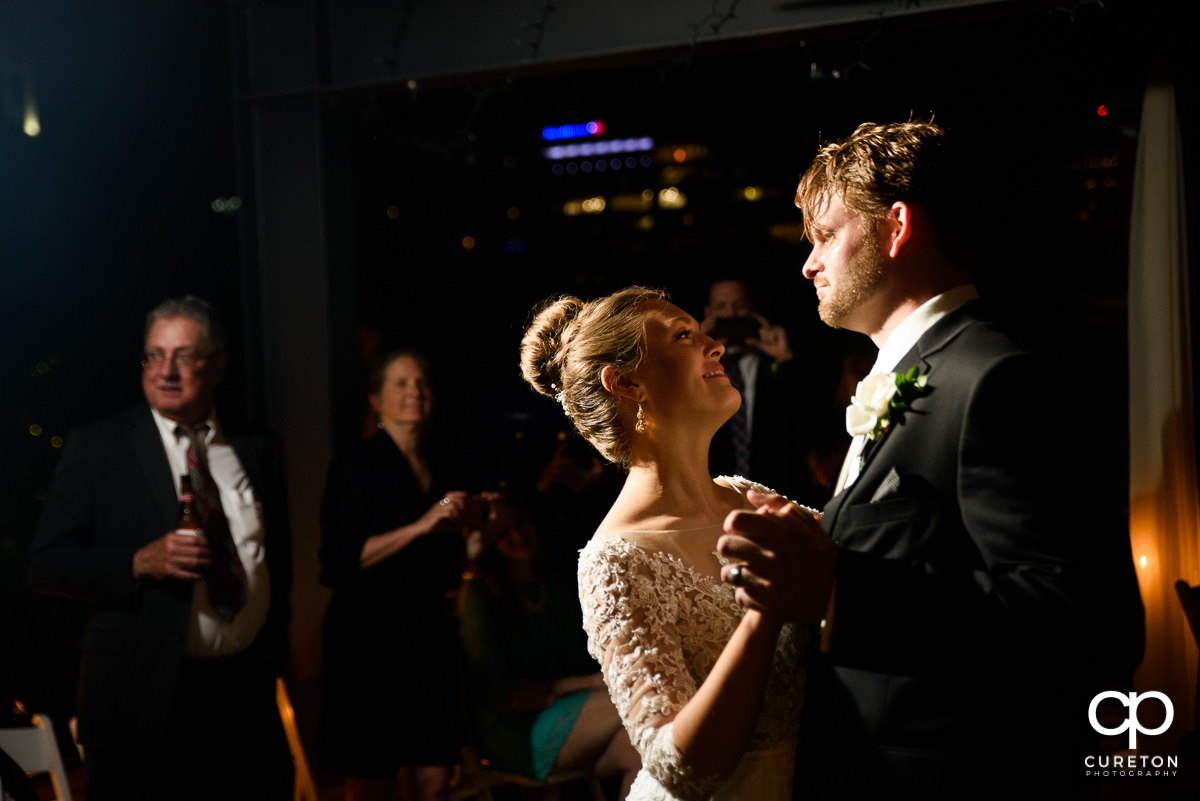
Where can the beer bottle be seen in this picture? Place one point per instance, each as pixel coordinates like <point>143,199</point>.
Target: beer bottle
<point>187,521</point>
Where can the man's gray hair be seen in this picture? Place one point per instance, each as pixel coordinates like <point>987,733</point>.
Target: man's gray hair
<point>193,308</point>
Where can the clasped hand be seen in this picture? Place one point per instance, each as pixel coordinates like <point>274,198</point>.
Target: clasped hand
<point>443,515</point>
<point>788,561</point>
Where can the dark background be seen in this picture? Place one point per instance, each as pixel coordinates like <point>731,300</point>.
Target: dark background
<point>1021,92</point>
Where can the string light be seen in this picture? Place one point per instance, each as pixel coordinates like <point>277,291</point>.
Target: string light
<point>32,123</point>
<point>552,132</point>
<point>634,144</point>
<point>671,198</point>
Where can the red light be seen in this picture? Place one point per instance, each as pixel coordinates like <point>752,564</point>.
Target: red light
<point>595,127</point>
<point>1102,110</point>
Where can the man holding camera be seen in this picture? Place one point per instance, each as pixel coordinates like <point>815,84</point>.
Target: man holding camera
<point>760,364</point>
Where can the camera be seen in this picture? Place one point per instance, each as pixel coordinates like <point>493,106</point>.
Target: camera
<point>735,330</point>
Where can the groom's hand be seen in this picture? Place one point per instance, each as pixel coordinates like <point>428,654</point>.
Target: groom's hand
<point>788,561</point>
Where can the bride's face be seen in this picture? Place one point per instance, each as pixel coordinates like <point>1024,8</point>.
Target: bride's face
<point>681,371</point>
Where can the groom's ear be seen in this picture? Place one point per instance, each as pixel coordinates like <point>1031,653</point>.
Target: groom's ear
<point>897,227</point>
<point>620,384</point>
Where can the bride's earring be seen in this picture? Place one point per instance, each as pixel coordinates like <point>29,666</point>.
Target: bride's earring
<point>641,421</point>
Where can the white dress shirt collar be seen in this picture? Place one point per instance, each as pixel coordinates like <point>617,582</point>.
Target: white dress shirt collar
<point>169,429</point>
<point>916,324</point>
<point>900,342</point>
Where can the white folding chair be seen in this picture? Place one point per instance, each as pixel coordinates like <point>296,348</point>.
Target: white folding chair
<point>36,751</point>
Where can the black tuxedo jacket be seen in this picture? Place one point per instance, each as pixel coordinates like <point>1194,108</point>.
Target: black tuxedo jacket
<point>967,591</point>
<point>781,436</point>
<point>112,493</point>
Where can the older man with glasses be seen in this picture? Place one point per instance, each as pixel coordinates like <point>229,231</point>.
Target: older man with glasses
<point>186,632</point>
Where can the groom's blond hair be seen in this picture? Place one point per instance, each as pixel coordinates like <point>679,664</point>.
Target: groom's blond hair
<point>873,168</point>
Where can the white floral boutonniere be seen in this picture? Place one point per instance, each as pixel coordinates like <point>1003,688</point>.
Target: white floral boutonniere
<point>880,400</point>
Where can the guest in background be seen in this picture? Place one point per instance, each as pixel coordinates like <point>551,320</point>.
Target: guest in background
<point>830,441</point>
<point>770,436</point>
<point>186,633</point>
<point>575,489</point>
<point>391,551</point>
<point>537,700</point>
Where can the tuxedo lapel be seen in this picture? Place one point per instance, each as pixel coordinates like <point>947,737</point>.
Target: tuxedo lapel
<point>830,513</point>
<point>942,333</point>
<point>939,336</point>
<point>147,445</point>
<point>869,449</point>
<point>935,339</point>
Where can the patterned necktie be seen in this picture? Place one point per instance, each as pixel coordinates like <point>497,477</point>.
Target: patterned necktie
<point>737,423</point>
<point>226,577</point>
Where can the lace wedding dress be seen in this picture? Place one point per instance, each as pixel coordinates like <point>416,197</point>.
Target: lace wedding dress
<point>657,616</point>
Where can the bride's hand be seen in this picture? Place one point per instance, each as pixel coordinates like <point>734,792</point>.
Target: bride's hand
<point>788,563</point>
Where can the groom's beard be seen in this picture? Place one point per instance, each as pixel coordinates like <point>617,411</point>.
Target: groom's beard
<point>859,282</point>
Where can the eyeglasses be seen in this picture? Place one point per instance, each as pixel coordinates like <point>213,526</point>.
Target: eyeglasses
<point>184,360</point>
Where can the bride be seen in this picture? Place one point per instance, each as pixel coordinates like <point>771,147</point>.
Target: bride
<point>709,692</point>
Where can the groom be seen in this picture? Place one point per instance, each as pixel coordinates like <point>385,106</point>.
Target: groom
<point>954,575</point>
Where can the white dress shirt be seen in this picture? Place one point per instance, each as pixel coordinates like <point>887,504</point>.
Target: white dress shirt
<point>748,364</point>
<point>899,343</point>
<point>209,635</point>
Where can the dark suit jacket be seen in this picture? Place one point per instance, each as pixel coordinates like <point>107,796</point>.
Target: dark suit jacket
<point>781,436</point>
<point>967,586</point>
<point>112,493</point>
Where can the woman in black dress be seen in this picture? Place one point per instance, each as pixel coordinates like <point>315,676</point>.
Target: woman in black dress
<point>391,542</point>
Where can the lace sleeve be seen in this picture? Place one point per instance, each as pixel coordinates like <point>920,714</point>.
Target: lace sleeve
<point>630,614</point>
<point>743,485</point>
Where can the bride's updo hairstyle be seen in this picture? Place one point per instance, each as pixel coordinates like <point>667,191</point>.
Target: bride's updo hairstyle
<point>567,347</point>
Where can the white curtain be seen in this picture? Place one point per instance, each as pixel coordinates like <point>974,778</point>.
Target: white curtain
<point>1164,512</point>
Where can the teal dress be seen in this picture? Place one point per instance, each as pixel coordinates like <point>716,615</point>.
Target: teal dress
<point>533,634</point>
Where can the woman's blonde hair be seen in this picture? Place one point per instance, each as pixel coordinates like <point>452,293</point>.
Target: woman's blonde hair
<point>566,348</point>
